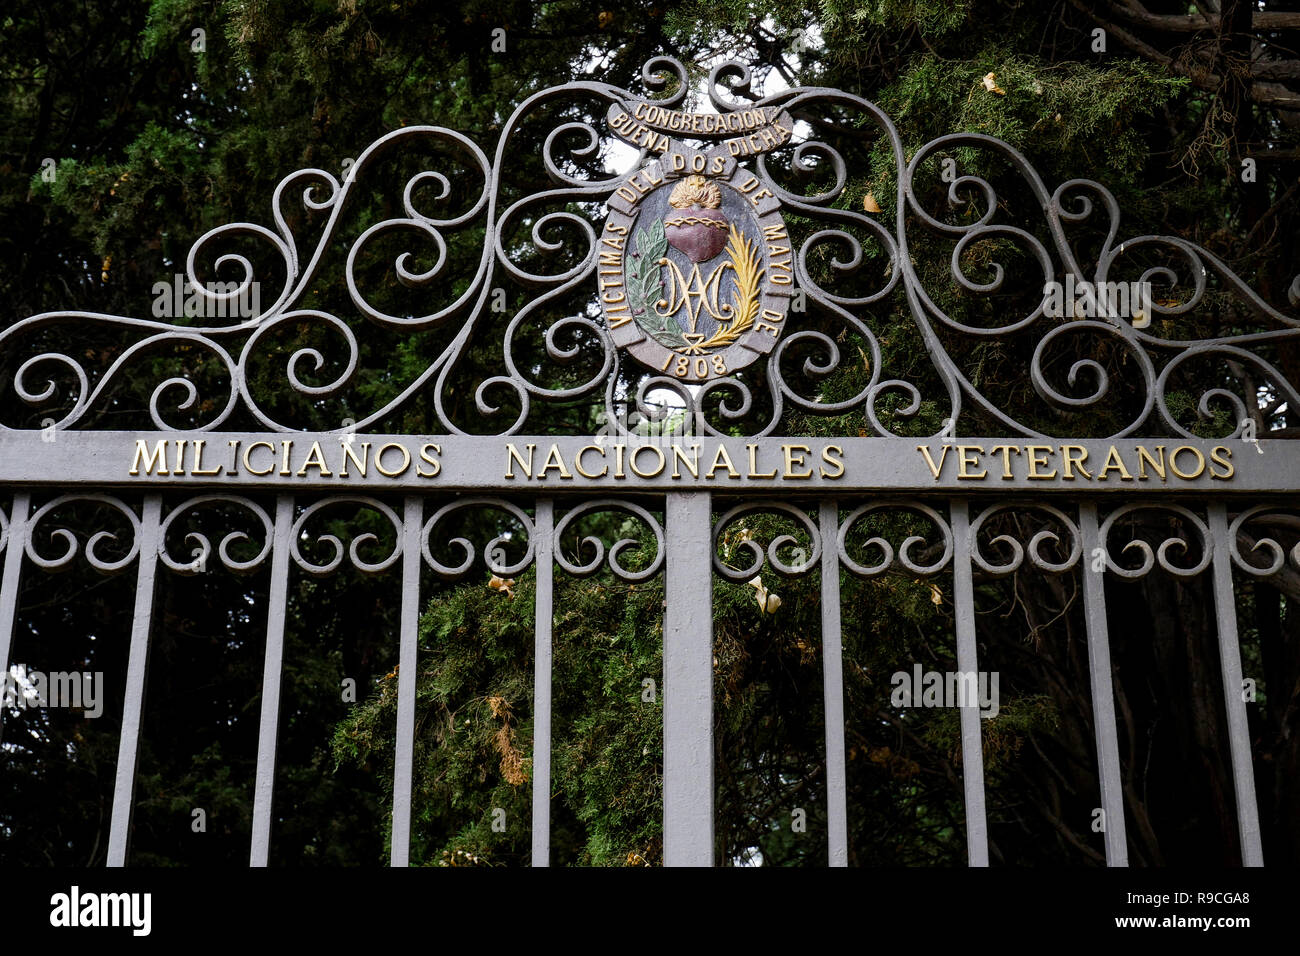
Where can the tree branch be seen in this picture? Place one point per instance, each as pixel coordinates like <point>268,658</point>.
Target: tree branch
<point>1135,13</point>
<point>1265,94</point>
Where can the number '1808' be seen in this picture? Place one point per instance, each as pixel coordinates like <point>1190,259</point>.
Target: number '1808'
<point>700,367</point>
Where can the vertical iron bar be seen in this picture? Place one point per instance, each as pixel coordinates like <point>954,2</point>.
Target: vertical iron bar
<point>688,680</point>
<point>15,546</point>
<point>1103,693</point>
<point>404,755</point>
<point>544,536</point>
<point>128,744</point>
<point>268,728</point>
<point>972,751</point>
<point>837,835</point>
<point>1243,770</point>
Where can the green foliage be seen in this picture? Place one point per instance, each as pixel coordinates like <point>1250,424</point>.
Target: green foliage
<point>1066,116</point>
<point>852,20</point>
<point>474,718</point>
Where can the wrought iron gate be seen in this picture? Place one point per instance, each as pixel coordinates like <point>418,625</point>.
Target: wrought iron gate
<point>701,196</point>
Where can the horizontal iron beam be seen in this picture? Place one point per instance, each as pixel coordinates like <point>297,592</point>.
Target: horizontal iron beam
<point>300,461</point>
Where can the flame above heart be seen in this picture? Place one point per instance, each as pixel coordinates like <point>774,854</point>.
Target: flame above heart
<point>700,230</point>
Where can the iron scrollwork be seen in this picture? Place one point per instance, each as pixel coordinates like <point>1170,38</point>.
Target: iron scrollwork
<point>516,237</point>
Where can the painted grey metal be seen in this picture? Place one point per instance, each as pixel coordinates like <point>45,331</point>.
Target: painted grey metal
<point>543,617</point>
<point>972,745</point>
<point>1103,694</point>
<point>128,749</point>
<point>837,826</point>
<point>1243,769</point>
<point>404,755</point>
<point>491,465</point>
<point>268,728</point>
<point>688,682</point>
<point>15,542</point>
<point>733,416</point>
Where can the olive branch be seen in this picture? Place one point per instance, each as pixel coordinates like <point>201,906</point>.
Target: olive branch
<point>647,288</point>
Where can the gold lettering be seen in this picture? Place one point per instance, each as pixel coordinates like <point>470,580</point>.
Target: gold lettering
<point>1037,455</point>
<point>577,462</point>
<point>753,464</point>
<point>512,455</point>
<point>1073,456</point>
<point>198,468</point>
<point>658,451</point>
<point>791,459</point>
<point>554,460</point>
<point>285,448</point>
<point>1144,458</point>
<point>929,460</point>
<point>362,463</point>
<point>1200,462</point>
<point>157,459</point>
<point>1225,461</point>
<point>424,456</point>
<point>692,464</point>
<point>248,453</point>
<point>1114,462</point>
<point>832,460</point>
<point>718,459</point>
<point>179,469</point>
<point>1006,451</point>
<point>964,459</point>
<point>315,459</point>
<point>379,460</point>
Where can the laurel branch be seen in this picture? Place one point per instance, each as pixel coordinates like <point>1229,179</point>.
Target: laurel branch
<point>744,260</point>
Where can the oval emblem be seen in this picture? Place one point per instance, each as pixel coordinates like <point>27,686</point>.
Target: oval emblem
<point>695,267</point>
